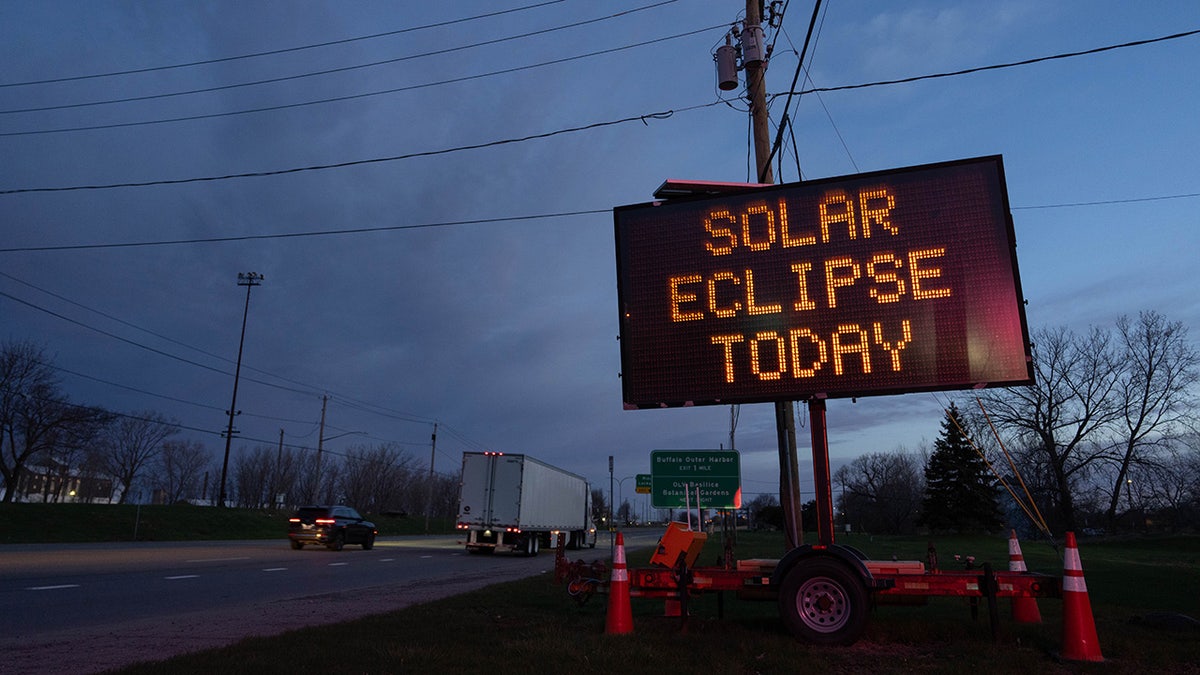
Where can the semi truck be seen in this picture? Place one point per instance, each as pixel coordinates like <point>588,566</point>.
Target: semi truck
<point>516,503</point>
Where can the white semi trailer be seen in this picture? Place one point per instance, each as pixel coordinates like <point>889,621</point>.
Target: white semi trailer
<point>517,503</point>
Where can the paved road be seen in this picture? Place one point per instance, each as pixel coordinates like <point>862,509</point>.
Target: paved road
<point>88,607</point>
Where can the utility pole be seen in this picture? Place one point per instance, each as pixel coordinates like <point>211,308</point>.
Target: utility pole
<point>320,447</point>
<point>249,280</point>
<point>755,65</point>
<point>429,495</point>
<point>278,479</point>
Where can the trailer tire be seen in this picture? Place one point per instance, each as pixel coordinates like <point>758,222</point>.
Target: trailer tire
<point>823,602</point>
<point>531,545</point>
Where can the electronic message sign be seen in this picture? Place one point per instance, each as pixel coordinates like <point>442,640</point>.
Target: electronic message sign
<point>879,283</point>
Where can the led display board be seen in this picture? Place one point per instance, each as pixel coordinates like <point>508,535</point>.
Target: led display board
<point>880,283</point>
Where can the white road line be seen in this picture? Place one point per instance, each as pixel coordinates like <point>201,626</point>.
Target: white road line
<point>182,576</point>
<point>387,560</point>
<point>202,560</point>
<point>52,588</point>
<point>426,557</point>
<point>338,564</point>
<point>274,569</point>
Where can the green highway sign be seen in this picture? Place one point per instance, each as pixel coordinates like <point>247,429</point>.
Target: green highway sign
<point>644,484</point>
<point>677,476</point>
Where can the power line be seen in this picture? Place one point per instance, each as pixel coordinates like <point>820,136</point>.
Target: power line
<point>139,345</point>
<point>351,97</point>
<point>293,235</point>
<point>273,52</point>
<point>166,397</point>
<point>330,71</point>
<point>350,401</point>
<point>998,66</point>
<point>376,160</point>
<point>641,118</point>
<point>1106,202</point>
<point>393,228</point>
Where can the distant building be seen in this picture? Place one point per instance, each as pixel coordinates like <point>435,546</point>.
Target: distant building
<point>56,482</point>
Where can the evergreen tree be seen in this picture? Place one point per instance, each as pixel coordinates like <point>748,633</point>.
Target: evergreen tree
<point>960,492</point>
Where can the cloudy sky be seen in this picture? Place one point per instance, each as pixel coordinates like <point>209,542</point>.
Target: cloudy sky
<point>447,253</point>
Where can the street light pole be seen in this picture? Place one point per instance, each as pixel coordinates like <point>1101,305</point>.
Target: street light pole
<point>249,280</point>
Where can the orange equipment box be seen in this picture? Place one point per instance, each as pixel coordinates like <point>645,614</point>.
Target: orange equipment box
<point>887,567</point>
<point>678,540</point>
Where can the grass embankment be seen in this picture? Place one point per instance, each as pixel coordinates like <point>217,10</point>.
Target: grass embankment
<point>68,523</point>
<point>533,626</point>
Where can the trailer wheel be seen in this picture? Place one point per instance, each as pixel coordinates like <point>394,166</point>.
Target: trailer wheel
<point>823,602</point>
<point>531,545</point>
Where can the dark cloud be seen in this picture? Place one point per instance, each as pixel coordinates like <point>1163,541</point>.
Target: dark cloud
<point>505,332</point>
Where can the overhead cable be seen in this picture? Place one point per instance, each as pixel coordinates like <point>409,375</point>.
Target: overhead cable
<point>272,52</point>
<point>997,66</point>
<point>641,118</point>
<point>330,71</point>
<point>375,160</point>
<point>291,235</point>
<point>351,97</point>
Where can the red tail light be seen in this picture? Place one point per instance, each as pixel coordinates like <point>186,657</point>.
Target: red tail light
<point>324,521</point>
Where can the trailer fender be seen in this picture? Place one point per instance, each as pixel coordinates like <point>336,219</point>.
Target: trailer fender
<point>846,555</point>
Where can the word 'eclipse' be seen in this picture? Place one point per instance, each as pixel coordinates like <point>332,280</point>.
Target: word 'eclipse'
<point>883,276</point>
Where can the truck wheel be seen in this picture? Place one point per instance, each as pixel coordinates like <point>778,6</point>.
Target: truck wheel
<point>823,602</point>
<point>531,545</point>
<point>337,542</point>
<point>369,542</point>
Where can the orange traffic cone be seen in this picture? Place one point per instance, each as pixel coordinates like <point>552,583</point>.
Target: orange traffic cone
<point>1079,642</point>
<point>620,613</point>
<point>1024,610</point>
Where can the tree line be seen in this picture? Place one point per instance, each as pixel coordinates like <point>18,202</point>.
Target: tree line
<point>1106,438</point>
<point>52,449</point>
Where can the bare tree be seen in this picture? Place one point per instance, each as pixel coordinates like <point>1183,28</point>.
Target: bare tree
<point>1170,485</point>
<point>882,491</point>
<point>179,469</point>
<point>380,479</point>
<point>36,419</point>
<point>284,471</point>
<point>131,444</point>
<point>1058,419</point>
<point>252,472</point>
<point>1157,375</point>
<point>600,508</point>
<point>445,494</point>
